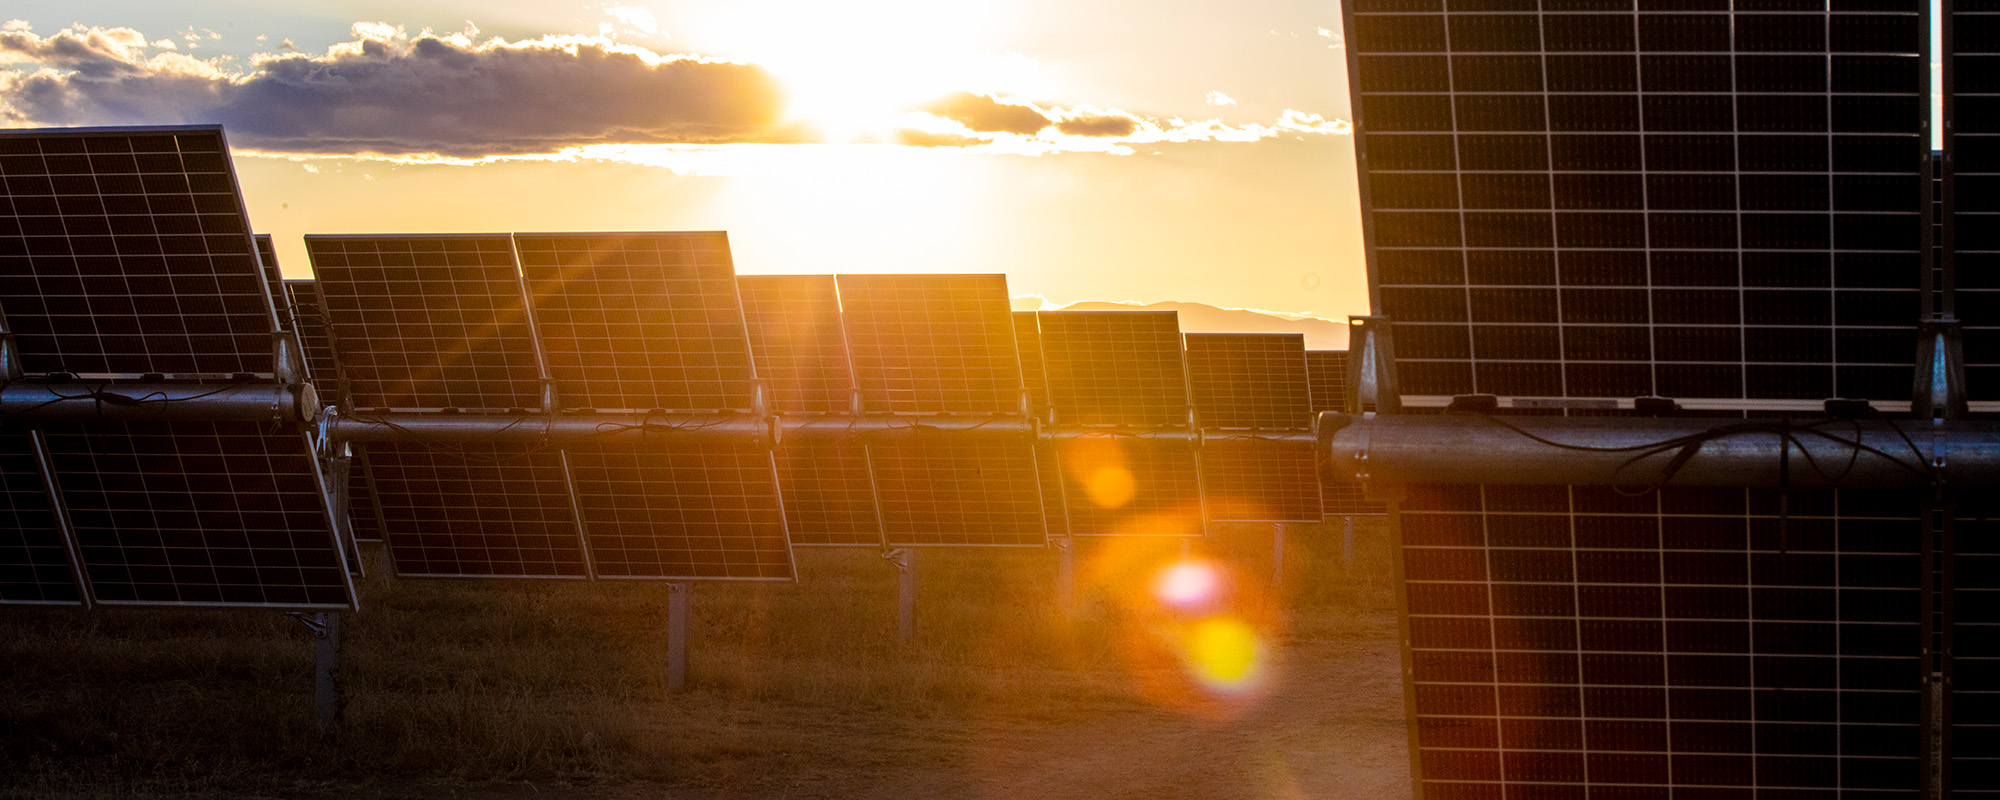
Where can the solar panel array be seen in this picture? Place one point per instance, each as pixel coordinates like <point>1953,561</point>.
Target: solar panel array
<point>1570,204</point>
<point>1973,152</point>
<point>126,254</point>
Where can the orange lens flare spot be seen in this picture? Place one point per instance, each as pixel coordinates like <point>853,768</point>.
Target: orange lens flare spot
<point>1187,584</point>
<point>1225,654</point>
<point>1111,486</point>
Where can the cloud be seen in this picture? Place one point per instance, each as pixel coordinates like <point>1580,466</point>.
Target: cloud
<point>979,112</point>
<point>389,92</point>
<point>1219,99</point>
<point>1113,125</point>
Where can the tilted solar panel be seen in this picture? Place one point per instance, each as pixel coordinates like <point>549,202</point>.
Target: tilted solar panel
<point>1250,480</point>
<point>1249,380</point>
<point>1681,202</point>
<point>428,322</point>
<point>1129,487</point>
<point>967,495</point>
<point>198,513</point>
<point>127,251</point>
<point>932,343</point>
<point>1975,652</point>
<point>274,278</point>
<point>476,510</point>
<point>1564,638</point>
<point>1034,374</point>
<point>1115,367</point>
<point>1973,151</point>
<point>302,296</point>
<point>828,497</point>
<point>36,564</point>
<point>638,321</point>
<point>795,333</point>
<point>684,514</point>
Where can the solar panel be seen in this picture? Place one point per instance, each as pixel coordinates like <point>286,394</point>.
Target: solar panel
<point>198,513</point>
<point>640,320</point>
<point>302,296</point>
<point>36,564</point>
<point>1115,368</point>
<point>932,343</point>
<point>1683,202</point>
<point>829,499</point>
<point>1975,652</point>
<point>1973,156</point>
<point>687,514</point>
<point>1326,382</point>
<point>796,336</point>
<point>1568,637</point>
<point>1034,375</point>
<point>428,322</point>
<point>274,278</point>
<point>967,495</point>
<point>1129,487</point>
<point>1251,480</point>
<point>126,252</point>
<point>476,510</point>
<point>1249,380</point>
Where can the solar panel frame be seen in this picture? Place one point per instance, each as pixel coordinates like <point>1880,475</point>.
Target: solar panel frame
<point>932,343</point>
<point>198,514</point>
<point>428,322</point>
<point>637,321</point>
<point>127,251</point>
<point>1248,380</point>
<point>1116,368</point>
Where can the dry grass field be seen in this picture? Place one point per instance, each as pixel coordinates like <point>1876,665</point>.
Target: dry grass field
<point>535,689</point>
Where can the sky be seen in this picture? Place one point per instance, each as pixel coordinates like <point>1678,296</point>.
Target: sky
<point>1198,151</point>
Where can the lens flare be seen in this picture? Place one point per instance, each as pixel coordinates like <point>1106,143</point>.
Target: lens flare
<point>1111,486</point>
<point>1224,654</point>
<point>1187,584</point>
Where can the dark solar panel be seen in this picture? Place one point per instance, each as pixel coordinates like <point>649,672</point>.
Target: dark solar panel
<point>827,494</point>
<point>1128,487</point>
<point>1248,380</point>
<point>302,303</point>
<point>36,566</point>
<point>1115,367</point>
<point>639,321</point>
<point>796,336</point>
<point>1975,164</point>
<point>1975,654</point>
<point>932,343</point>
<point>935,493</point>
<point>428,322</point>
<point>1260,481</point>
<point>490,510</point>
<point>707,514</point>
<point>1682,202</point>
<point>127,251</point>
<point>274,278</point>
<point>1569,637</point>
<point>198,513</point>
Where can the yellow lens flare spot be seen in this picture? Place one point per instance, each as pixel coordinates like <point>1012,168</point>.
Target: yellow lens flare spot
<point>1188,584</point>
<point>1111,486</point>
<point>1225,654</point>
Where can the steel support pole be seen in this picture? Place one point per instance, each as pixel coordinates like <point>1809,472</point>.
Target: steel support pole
<point>1066,573</point>
<point>905,560</point>
<point>1277,554</point>
<point>326,664</point>
<point>678,597</point>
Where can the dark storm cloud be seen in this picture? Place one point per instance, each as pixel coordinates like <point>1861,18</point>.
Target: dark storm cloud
<point>1107,125</point>
<point>397,95</point>
<point>981,113</point>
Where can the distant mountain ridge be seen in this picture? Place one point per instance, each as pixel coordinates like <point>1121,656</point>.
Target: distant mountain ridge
<point>1321,334</point>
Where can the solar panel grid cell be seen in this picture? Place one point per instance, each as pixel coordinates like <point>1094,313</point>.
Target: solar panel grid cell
<point>476,510</point>
<point>708,514</point>
<point>1249,380</point>
<point>795,333</point>
<point>428,322</point>
<point>1115,367</point>
<point>932,343</point>
<point>128,252</point>
<point>197,513</point>
<point>36,566</point>
<point>1564,636</point>
<point>639,321</point>
<point>1681,203</point>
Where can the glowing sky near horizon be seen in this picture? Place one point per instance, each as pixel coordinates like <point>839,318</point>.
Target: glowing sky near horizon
<point>1195,152</point>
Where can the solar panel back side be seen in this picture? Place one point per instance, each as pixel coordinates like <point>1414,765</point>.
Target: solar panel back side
<point>932,343</point>
<point>1249,380</point>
